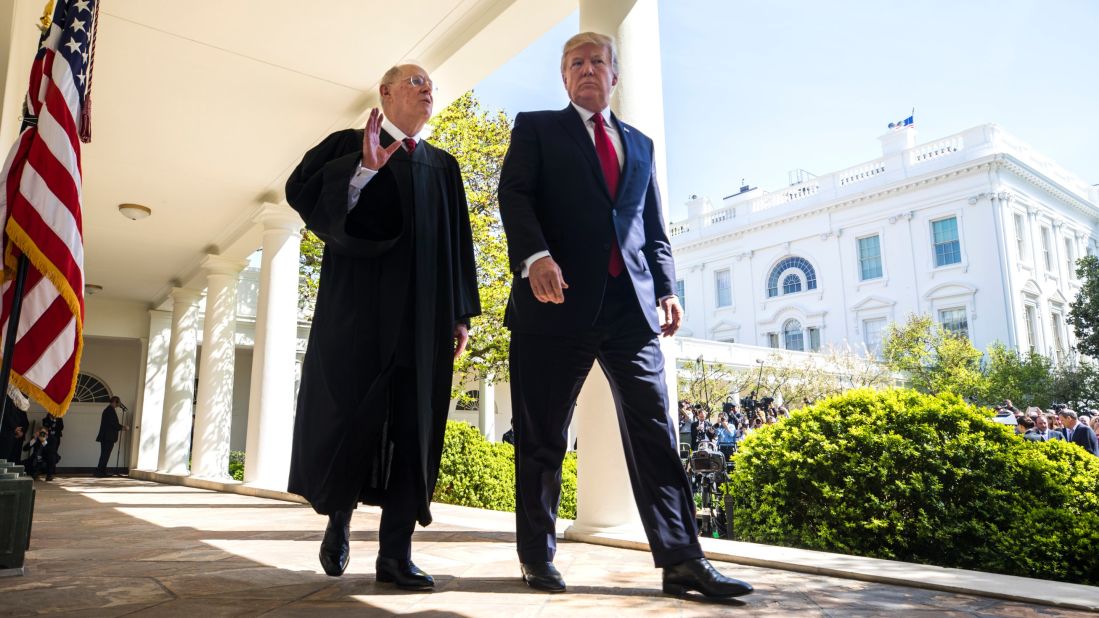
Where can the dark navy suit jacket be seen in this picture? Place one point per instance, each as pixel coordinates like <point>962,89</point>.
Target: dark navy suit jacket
<point>1085,437</point>
<point>553,197</point>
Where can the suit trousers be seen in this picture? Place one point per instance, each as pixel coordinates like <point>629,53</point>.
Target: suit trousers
<point>400,502</point>
<point>105,449</point>
<point>547,372</point>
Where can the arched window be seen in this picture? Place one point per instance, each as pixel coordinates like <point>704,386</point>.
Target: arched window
<point>90,389</point>
<point>791,283</point>
<point>470,401</point>
<point>801,272</point>
<point>792,335</point>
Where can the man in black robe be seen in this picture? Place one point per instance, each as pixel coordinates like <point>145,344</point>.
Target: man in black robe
<point>109,427</point>
<point>397,289</point>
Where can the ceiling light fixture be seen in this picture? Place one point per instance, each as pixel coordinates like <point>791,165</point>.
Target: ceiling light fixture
<point>134,211</point>
<point>91,288</point>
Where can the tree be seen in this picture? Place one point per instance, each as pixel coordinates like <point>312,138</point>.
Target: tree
<point>1025,379</point>
<point>1076,385</point>
<point>1084,310</point>
<point>934,359</point>
<point>708,384</point>
<point>478,140</point>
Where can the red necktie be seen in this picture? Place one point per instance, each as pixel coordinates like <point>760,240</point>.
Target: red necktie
<point>409,144</point>
<point>608,160</point>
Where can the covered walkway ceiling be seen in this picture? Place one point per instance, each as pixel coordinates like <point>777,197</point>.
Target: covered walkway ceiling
<point>201,109</point>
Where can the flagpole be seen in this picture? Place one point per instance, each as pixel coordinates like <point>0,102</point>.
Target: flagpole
<point>9,337</point>
<point>13,318</point>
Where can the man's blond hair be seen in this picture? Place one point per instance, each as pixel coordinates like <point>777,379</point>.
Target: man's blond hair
<point>593,38</point>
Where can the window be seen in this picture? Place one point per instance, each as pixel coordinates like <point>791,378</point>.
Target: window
<point>869,257</point>
<point>90,389</point>
<point>800,267</point>
<point>470,400</point>
<point>1058,339</point>
<point>724,288</point>
<point>1070,258</point>
<point>792,335</point>
<point>1047,253</point>
<point>814,339</point>
<point>872,332</point>
<point>954,321</point>
<point>681,292</point>
<point>772,340</point>
<point>948,250</point>
<point>1020,236</point>
<point>791,283</point>
<point>1031,314</point>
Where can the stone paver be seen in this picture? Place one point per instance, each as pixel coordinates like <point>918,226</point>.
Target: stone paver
<point>117,547</point>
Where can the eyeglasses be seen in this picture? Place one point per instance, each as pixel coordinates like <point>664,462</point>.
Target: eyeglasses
<point>418,81</point>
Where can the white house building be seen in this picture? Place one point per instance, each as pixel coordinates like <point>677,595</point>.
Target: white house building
<point>976,229</point>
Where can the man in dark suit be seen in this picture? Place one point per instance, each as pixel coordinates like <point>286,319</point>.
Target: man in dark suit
<point>586,241</point>
<point>1079,433</point>
<point>1041,424</point>
<point>109,427</point>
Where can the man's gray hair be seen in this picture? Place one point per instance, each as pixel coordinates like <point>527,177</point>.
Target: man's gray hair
<point>391,75</point>
<point>593,38</point>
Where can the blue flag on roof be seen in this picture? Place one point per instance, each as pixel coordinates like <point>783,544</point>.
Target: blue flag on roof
<point>900,124</point>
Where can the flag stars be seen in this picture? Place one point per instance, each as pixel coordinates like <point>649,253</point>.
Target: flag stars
<point>78,25</point>
<point>73,45</point>
<point>81,5</point>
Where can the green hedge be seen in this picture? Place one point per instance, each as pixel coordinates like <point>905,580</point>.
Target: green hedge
<point>478,473</point>
<point>899,475</point>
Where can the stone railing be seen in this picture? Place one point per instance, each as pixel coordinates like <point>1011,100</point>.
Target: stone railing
<point>969,145</point>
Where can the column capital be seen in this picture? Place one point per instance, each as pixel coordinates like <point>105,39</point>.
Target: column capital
<point>185,296</point>
<point>279,216</point>
<point>219,265</point>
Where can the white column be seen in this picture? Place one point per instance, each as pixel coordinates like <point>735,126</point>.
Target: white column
<point>175,432</point>
<point>214,417</point>
<point>150,414</point>
<point>271,404</point>
<point>604,497</point>
<point>486,415</point>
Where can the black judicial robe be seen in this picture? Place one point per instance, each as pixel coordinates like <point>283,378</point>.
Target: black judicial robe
<point>397,274</point>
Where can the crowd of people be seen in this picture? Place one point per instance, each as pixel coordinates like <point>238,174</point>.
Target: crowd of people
<point>1057,423</point>
<point>724,429</point>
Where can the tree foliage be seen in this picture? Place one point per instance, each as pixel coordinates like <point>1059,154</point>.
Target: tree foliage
<point>1084,310</point>
<point>1025,379</point>
<point>478,139</point>
<point>934,359</point>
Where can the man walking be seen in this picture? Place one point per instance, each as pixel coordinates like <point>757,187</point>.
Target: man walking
<point>592,262</point>
<point>397,289</point>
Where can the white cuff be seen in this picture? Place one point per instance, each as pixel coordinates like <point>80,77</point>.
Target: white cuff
<point>664,298</point>
<point>532,259</point>
<point>362,176</point>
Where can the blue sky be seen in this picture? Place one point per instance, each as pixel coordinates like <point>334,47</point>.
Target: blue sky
<point>754,89</point>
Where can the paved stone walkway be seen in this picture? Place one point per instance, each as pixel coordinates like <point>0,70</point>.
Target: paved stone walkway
<point>115,547</point>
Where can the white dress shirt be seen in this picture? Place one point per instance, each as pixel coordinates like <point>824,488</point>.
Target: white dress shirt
<point>364,174</point>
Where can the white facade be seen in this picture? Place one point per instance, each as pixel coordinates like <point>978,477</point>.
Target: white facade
<point>975,229</point>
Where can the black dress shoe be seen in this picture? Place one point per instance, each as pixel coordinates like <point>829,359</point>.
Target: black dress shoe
<point>543,576</point>
<point>336,546</point>
<point>698,574</point>
<point>403,573</point>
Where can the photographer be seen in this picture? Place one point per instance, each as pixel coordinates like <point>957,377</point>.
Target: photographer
<point>54,426</point>
<point>36,460</point>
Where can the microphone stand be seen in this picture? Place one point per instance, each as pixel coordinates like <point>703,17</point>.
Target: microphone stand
<point>118,453</point>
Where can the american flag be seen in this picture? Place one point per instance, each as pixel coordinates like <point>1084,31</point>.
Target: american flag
<point>40,203</point>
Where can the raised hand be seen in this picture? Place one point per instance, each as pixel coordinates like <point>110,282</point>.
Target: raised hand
<point>374,155</point>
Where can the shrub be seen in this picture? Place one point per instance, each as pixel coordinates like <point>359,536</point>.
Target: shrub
<point>478,473</point>
<point>236,465</point>
<point>900,475</point>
